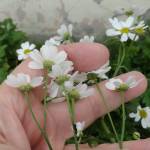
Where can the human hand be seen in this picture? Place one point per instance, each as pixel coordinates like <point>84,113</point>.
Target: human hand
<point>17,129</point>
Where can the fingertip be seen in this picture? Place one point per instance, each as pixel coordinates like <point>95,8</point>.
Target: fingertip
<point>140,88</point>
<point>86,56</point>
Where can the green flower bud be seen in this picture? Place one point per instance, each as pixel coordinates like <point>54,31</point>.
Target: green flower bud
<point>129,13</point>
<point>123,87</point>
<point>48,65</point>
<point>136,135</point>
<point>61,79</point>
<point>25,88</point>
<point>74,94</point>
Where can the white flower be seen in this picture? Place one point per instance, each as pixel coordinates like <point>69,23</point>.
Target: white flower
<point>122,28</point>
<point>23,81</point>
<point>79,91</point>
<point>47,57</point>
<point>101,72</point>
<point>118,84</point>
<point>80,127</point>
<point>53,42</point>
<point>87,39</point>
<point>142,114</point>
<point>61,69</point>
<point>77,77</point>
<point>65,31</point>
<point>134,10</point>
<point>26,49</point>
<point>140,28</point>
<point>59,74</point>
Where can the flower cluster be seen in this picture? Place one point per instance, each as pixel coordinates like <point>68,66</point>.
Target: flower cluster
<point>129,29</point>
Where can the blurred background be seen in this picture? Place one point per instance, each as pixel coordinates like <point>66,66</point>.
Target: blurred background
<point>40,18</point>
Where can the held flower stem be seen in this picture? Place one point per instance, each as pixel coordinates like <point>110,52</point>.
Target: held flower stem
<point>45,97</point>
<point>44,134</point>
<point>106,128</point>
<point>123,117</point>
<point>108,113</point>
<point>120,59</point>
<point>71,106</point>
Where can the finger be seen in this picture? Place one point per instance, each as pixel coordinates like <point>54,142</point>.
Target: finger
<point>86,56</point>
<point>130,145</point>
<point>91,108</point>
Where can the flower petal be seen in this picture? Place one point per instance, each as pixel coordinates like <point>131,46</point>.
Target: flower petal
<point>124,37</point>
<point>112,32</point>
<point>36,81</point>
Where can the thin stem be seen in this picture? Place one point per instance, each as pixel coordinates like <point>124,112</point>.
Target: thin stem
<point>71,106</point>
<point>121,59</point>
<point>44,134</point>
<point>123,118</point>
<point>106,128</point>
<point>108,113</point>
<point>45,98</point>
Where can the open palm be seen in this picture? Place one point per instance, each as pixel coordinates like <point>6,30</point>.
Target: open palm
<point>19,132</point>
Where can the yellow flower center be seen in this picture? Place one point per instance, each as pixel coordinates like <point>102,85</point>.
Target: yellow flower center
<point>143,113</point>
<point>27,51</point>
<point>124,30</point>
<point>139,30</point>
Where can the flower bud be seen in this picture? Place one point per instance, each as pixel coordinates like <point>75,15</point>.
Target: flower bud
<point>136,135</point>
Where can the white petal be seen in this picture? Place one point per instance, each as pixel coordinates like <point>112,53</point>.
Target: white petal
<point>48,52</point>
<point>70,28</point>
<point>132,115</point>
<point>35,65</point>
<point>112,32</point>
<point>144,123</point>
<point>19,51</point>
<point>130,21</point>
<point>36,81</point>
<point>62,30</point>
<point>84,90</point>
<point>53,89</point>
<point>32,46</point>
<point>69,85</point>
<point>58,100</point>
<point>132,36</point>
<point>25,45</point>
<point>80,126</point>
<point>56,71</point>
<point>61,56</point>
<point>110,86</point>
<point>23,78</point>
<point>124,37</point>
<point>36,56</point>
<point>12,81</point>
<point>20,57</point>
<point>137,118</point>
<point>115,23</point>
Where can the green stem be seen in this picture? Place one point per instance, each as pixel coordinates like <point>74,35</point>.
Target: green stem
<point>45,98</point>
<point>108,113</point>
<point>71,106</point>
<point>123,118</point>
<point>106,128</point>
<point>120,59</point>
<point>44,134</point>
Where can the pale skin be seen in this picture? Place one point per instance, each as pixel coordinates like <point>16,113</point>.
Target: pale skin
<point>19,132</point>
